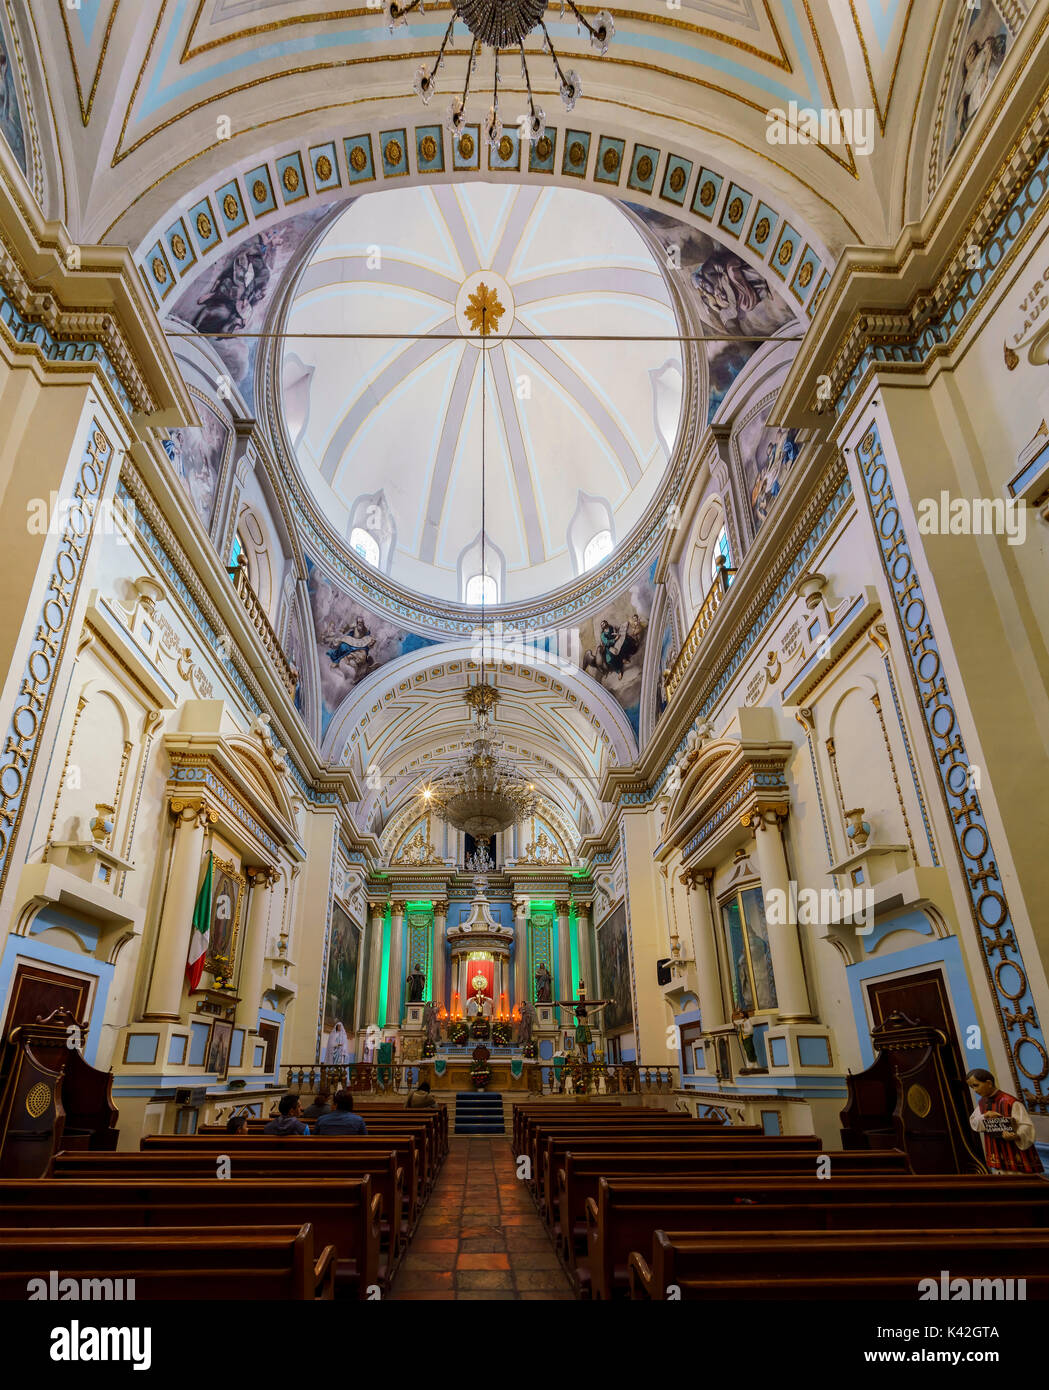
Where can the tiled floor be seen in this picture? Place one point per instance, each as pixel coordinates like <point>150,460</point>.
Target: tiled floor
<point>480,1236</point>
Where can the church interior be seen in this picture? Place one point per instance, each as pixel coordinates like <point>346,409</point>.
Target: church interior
<point>526,623</point>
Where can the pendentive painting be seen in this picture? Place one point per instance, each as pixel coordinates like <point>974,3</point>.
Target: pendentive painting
<point>665,648</point>
<point>766,457</point>
<point>295,651</point>
<point>235,294</point>
<point>340,991</point>
<point>197,456</point>
<point>10,115</point>
<point>613,957</point>
<point>733,298</point>
<point>612,645</point>
<point>981,54</point>
<point>352,641</point>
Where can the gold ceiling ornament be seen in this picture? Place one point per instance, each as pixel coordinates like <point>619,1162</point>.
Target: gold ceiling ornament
<point>484,310</point>
<point>501,25</point>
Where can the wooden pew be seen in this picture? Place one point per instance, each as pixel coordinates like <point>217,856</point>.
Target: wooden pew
<point>533,1125</point>
<point>539,1132</point>
<point>376,1117</point>
<point>580,1171</point>
<point>549,1144</point>
<point>626,1212</point>
<point>344,1213</point>
<point>835,1264</point>
<point>384,1170</point>
<point>210,1264</point>
<point>241,1147</point>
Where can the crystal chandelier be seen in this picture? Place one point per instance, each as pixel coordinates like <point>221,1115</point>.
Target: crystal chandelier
<point>484,793</point>
<point>502,24</point>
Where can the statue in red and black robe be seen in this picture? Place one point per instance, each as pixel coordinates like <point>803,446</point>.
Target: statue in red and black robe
<point>1007,1128</point>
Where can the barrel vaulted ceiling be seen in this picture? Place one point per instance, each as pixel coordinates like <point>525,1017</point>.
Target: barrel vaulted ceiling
<point>138,93</point>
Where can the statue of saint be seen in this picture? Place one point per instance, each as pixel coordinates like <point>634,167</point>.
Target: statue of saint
<point>416,984</point>
<point>529,1019</point>
<point>544,986</point>
<point>431,1024</point>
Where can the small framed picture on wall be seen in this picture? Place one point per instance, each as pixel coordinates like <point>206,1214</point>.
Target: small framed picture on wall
<point>218,1047</point>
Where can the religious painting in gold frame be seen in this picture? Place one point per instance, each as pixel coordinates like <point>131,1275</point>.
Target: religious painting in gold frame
<point>227,902</point>
<point>219,1043</point>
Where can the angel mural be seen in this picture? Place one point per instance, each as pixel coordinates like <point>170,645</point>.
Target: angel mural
<point>196,456</point>
<point>351,642</point>
<point>779,455</point>
<point>613,645</point>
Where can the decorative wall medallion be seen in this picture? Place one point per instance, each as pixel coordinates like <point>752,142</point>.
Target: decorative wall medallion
<point>466,145</point>
<point>204,226</point>
<point>230,207</point>
<point>160,273</point>
<point>179,247</point>
<point>290,178</point>
<point>644,168</point>
<point>762,231</point>
<point>919,1100</point>
<point>428,148</point>
<point>805,274</point>
<point>38,1098</point>
<point>393,154</point>
<point>610,160</point>
<point>677,178</point>
<point>735,209</point>
<point>323,167</point>
<point>785,252</point>
<point>358,160</point>
<point>506,147</point>
<point>259,191</point>
<point>544,148</point>
<point>707,194</point>
<point>576,153</point>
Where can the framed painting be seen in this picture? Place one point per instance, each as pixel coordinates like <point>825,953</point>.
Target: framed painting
<point>219,1041</point>
<point>227,901</point>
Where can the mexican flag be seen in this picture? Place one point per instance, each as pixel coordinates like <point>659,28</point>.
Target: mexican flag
<point>198,938</point>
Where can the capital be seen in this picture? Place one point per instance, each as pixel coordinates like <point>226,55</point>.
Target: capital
<point>440,909</point>
<point>263,877</point>
<point>562,909</point>
<point>192,812</point>
<point>396,907</point>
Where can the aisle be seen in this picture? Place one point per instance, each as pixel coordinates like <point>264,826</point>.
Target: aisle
<point>480,1236</point>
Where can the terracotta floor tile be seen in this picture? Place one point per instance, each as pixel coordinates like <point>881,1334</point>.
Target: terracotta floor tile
<point>469,1259</point>
<point>428,1295</point>
<point>414,1261</point>
<point>533,1259</point>
<point>485,1296</point>
<point>409,1279</point>
<point>484,1245</point>
<point>546,1296</point>
<point>483,1279</point>
<point>535,1242</point>
<point>434,1245</point>
<point>480,1230</point>
<point>540,1279</point>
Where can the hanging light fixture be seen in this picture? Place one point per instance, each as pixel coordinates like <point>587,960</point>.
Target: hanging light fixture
<point>484,793</point>
<point>502,24</point>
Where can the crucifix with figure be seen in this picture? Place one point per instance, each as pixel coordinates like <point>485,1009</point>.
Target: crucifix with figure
<point>581,1008</point>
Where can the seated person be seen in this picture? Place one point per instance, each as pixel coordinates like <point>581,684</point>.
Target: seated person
<point>420,1098</point>
<point>321,1105</point>
<point>237,1124</point>
<point>341,1120</point>
<point>289,1121</point>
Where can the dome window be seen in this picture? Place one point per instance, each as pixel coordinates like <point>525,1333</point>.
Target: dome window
<point>366,546</point>
<point>597,549</point>
<point>481,588</point>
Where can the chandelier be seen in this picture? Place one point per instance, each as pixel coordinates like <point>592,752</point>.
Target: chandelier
<point>502,24</point>
<point>484,793</point>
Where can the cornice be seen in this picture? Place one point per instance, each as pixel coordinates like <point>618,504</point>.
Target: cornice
<point>80,306</point>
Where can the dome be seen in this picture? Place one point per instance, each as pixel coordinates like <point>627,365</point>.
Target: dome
<point>387,430</point>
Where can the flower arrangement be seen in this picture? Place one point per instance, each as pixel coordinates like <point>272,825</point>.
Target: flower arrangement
<point>458,1032</point>
<point>531,1050</point>
<point>480,1076</point>
<point>501,1034</point>
<point>429,1048</point>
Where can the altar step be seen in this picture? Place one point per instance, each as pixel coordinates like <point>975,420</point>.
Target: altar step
<point>479,1112</point>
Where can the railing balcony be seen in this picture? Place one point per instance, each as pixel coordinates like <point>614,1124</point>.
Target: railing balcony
<point>256,613</point>
<point>572,1077</point>
<point>699,628</point>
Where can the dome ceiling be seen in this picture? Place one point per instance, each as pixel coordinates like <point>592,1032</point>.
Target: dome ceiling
<point>387,432</point>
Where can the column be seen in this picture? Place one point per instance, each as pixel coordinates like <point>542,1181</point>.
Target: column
<point>169,960</point>
<point>254,961</point>
<point>564,954</point>
<point>371,1014</point>
<point>705,951</point>
<point>437,982</point>
<point>784,942</point>
<point>521,981</point>
<point>395,979</point>
<point>586,971</point>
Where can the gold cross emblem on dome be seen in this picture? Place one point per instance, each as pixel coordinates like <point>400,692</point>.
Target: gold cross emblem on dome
<point>483,310</point>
